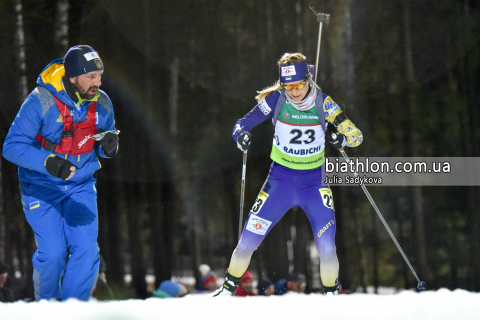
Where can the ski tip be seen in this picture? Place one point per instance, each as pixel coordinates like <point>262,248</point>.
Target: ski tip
<point>421,286</point>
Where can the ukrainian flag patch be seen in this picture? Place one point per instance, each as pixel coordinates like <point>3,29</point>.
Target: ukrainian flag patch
<point>34,205</point>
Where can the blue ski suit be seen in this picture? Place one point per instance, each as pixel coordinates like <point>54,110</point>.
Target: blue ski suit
<point>62,214</point>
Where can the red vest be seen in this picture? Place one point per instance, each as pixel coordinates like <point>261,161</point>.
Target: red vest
<point>75,136</point>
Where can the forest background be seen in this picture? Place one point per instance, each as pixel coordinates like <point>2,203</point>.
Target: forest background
<point>180,73</point>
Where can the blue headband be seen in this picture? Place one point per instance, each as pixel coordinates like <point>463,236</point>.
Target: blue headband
<point>294,72</point>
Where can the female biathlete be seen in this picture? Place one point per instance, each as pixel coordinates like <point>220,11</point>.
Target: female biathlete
<point>299,111</point>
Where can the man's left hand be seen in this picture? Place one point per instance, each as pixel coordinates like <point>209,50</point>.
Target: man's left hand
<point>109,143</point>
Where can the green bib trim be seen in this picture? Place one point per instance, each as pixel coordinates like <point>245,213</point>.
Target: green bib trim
<point>290,161</point>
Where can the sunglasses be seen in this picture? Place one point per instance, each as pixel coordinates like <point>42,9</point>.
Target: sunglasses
<point>297,86</point>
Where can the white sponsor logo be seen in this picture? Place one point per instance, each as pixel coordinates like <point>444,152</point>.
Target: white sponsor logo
<point>83,141</point>
<point>258,225</point>
<point>237,128</point>
<point>264,107</point>
<point>296,116</point>
<point>91,55</point>
<point>288,71</point>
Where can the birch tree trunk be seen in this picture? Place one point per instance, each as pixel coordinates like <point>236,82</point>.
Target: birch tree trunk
<point>21,58</point>
<point>412,99</point>
<point>61,26</point>
<point>298,20</point>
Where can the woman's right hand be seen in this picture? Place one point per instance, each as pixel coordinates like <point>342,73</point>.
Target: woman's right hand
<point>244,140</point>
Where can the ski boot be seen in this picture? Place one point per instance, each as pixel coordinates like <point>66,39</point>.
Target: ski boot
<point>229,286</point>
<point>330,291</point>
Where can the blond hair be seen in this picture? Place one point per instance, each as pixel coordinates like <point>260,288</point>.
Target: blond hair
<point>286,60</point>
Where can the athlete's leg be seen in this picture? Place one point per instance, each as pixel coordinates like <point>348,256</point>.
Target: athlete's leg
<point>43,212</point>
<point>273,201</point>
<point>81,231</point>
<point>317,202</point>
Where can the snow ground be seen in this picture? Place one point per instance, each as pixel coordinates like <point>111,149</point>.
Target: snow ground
<point>406,305</point>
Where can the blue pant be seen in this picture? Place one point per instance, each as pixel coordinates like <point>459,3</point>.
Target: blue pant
<point>286,188</point>
<point>63,218</point>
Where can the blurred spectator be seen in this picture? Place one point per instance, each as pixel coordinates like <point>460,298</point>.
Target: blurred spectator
<point>246,285</point>
<point>207,284</point>
<point>281,287</point>
<point>204,269</point>
<point>6,294</point>
<point>208,280</point>
<point>170,289</point>
<point>296,283</point>
<point>265,287</point>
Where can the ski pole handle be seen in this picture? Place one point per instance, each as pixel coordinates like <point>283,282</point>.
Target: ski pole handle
<point>321,18</point>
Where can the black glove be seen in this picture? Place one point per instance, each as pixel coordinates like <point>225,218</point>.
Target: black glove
<point>59,167</point>
<point>109,143</point>
<point>338,140</point>
<point>244,140</point>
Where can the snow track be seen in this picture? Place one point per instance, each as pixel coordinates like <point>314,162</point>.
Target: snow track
<point>407,305</point>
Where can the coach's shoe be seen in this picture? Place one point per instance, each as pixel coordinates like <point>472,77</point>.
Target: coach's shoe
<point>229,287</point>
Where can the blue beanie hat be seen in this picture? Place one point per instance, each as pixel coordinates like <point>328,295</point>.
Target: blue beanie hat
<point>170,287</point>
<point>80,60</point>
<point>281,287</point>
<point>263,285</point>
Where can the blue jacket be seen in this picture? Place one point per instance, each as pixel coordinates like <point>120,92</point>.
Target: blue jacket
<point>39,114</point>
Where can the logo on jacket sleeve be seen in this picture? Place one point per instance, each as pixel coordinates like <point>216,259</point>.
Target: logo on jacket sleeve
<point>264,107</point>
<point>237,128</point>
<point>34,205</point>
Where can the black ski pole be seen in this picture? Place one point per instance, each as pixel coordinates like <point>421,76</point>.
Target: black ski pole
<point>421,285</point>
<point>244,170</point>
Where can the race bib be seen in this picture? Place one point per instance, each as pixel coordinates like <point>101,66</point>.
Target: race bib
<point>261,198</point>
<point>327,197</point>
